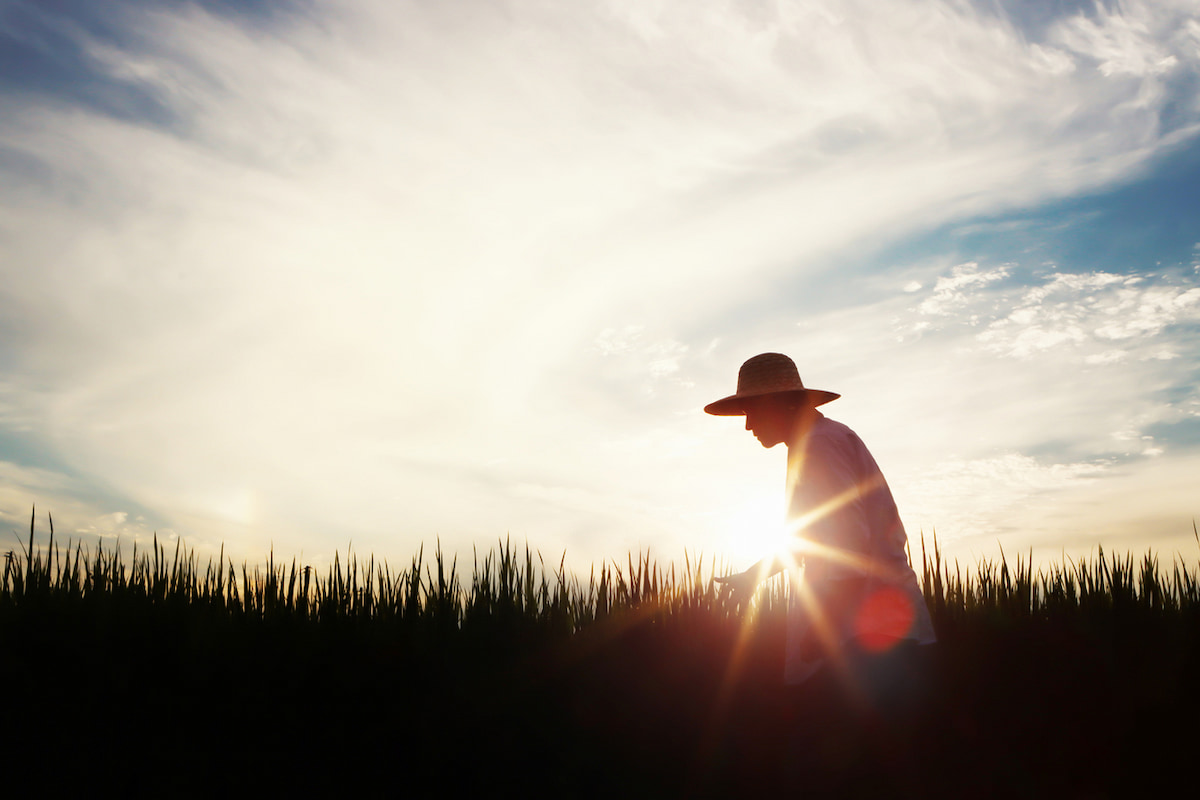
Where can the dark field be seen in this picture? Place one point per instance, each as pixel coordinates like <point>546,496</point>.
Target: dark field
<point>156,674</point>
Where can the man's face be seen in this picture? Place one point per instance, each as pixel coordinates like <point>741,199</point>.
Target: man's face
<point>769,419</point>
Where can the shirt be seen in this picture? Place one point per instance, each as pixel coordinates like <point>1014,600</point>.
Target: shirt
<point>851,538</point>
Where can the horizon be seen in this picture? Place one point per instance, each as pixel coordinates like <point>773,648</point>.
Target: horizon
<point>299,274</point>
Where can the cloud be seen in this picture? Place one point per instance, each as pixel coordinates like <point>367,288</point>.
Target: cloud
<point>998,485</point>
<point>1121,41</point>
<point>70,505</point>
<point>1148,312</point>
<point>1108,357</point>
<point>380,268</point>
<point>1085,313</point>
<point>652,360</point>
<point>999,396</point>
<point>1081,310</point>
<point>951,292</point>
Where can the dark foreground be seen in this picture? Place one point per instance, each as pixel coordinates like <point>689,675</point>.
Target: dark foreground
<point>172,701</point>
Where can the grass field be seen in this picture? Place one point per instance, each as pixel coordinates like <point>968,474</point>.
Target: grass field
<point>443,679</point>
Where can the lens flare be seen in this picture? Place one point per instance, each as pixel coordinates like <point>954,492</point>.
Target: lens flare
<point>883,619</point>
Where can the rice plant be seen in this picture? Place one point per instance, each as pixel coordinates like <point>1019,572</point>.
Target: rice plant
<point>508,586</point>
<point>410,670</point>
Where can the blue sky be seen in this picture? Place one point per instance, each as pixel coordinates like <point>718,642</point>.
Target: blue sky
<point>311,273</point>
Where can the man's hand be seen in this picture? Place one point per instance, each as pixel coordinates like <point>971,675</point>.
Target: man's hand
<point>741,586</point>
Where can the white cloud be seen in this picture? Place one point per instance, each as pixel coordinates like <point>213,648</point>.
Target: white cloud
<point>953,291</point>
<point>1107,357</point>
<point>666,358</point>
<point>1122,40</point>
<point>1079,309</point>
<point>1081,312</point>
<point>1148,312</point>
<point>997,485</point>
<point>1052,60</point>
<point>68,505</point>
<point>1190,33</point>
<point>356,290</point>
<point>611,341</point>
<point>635,361</point>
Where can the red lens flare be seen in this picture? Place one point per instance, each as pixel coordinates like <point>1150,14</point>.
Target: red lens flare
<point>883,619</point>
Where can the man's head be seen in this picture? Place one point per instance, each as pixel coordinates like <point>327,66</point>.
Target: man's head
<point>773,418</point>
<point>771,395</point>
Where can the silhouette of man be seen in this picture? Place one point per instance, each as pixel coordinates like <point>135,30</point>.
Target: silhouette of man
<point>857,619</point>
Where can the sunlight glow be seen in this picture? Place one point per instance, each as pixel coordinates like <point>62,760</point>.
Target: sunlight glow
<point>880,621</point>
<point>757,529</point>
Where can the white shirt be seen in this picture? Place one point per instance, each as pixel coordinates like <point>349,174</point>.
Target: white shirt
<point>851,529</point>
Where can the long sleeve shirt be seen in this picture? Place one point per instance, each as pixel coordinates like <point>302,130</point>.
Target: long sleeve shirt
<point>853,544</point>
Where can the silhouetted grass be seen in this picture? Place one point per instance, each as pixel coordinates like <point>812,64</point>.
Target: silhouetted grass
<point>515,586</point>
<point>638,676</point>
<point>506,586</point>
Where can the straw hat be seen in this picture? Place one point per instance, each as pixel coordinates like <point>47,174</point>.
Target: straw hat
<point>769,373</point>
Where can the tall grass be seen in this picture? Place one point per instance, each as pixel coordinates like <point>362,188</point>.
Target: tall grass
<point>506,583</point>
<point>527,670</point>
<point>516,586</point>
<point>1016,592</point>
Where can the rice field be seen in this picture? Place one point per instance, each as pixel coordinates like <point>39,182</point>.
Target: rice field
<point>441,677</point>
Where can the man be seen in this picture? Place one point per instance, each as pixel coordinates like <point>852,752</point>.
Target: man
<point>857,622</point>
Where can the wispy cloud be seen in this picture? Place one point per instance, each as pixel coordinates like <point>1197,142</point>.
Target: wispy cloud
<point>998,485</point>
<point>383,270</point>
<point>953,291</point>
<point>1127,40</point>
<point>1100,316</point>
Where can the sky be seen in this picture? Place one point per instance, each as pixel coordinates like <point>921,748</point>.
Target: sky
<point>313,275</point>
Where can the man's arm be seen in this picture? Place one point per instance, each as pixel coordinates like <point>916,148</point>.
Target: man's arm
<point>743,584</point>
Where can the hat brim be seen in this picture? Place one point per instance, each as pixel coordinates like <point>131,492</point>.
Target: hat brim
<point>735,404</point>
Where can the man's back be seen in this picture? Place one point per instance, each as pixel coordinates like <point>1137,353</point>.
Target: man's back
<point>854,543</point>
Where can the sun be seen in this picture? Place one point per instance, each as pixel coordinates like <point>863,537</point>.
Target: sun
<point>756,529</point>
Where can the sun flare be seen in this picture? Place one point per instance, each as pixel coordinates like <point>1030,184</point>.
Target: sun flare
<point>757,529</point>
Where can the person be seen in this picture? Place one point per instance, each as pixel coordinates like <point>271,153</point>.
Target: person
<point>858,627</point>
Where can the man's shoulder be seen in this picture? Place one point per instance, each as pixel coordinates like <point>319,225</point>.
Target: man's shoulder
<point>830,428</point>
<point>829,435</point>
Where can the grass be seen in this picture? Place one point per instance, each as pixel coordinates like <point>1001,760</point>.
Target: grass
<point>513,585</point>
<point>520,673</point>
<point>505,585</point>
